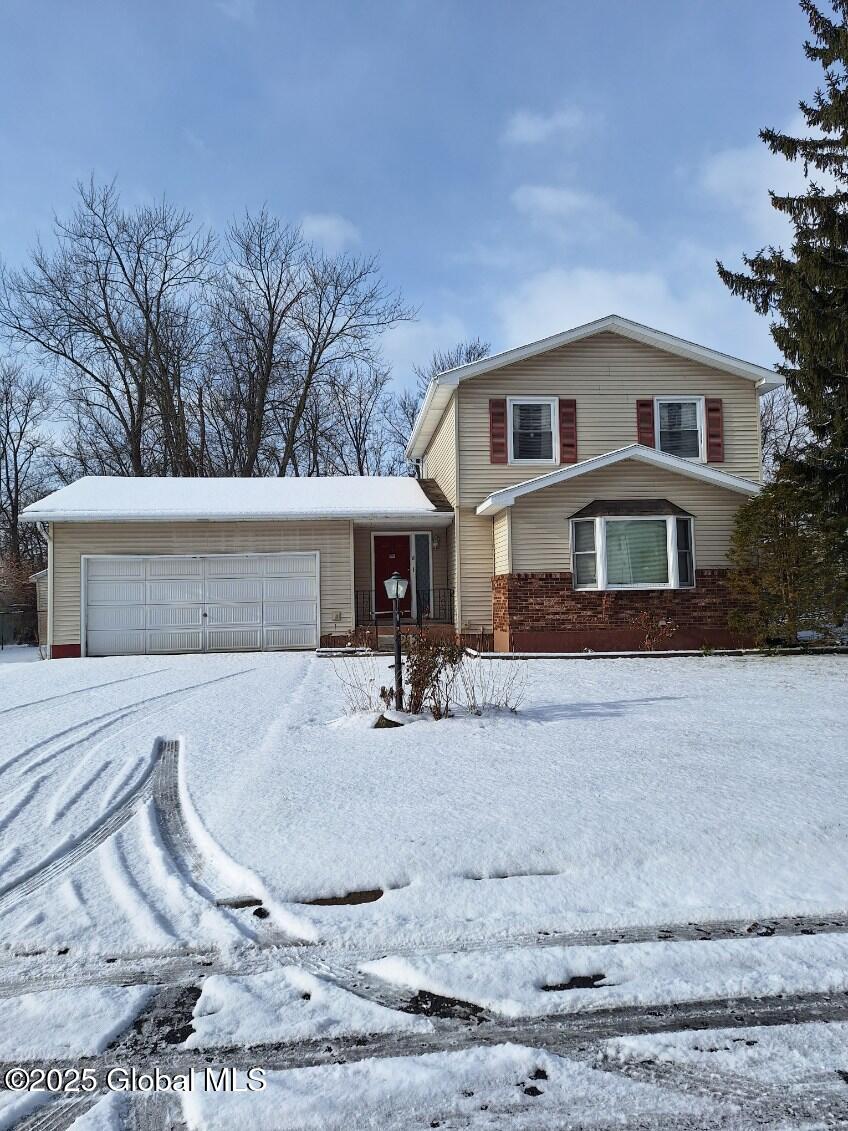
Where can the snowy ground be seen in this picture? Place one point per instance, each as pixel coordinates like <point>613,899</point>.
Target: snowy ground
<point>623,796</point>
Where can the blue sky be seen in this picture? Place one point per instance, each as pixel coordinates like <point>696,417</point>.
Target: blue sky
<point>521,166</point>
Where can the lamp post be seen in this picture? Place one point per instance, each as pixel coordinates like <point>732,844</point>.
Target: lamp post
<point>396,587</point>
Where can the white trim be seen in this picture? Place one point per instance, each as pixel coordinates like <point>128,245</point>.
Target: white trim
<point>435,399</point>
<point>505,498</point>
<point>413,568</point>
<point>600,528</point>
<point>682,398</point>
<point>85,558</point>
<point>511,402</point>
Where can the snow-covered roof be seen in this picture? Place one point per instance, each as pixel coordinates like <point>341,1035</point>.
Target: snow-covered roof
<point>505,498</point>
<point>104,498</point>
<point>441,387</point>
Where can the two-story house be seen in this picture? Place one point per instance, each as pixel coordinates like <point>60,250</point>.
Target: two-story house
<point>566,487</point>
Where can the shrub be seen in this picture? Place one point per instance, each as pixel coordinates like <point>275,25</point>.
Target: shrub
<point>791,567</point>
<point>491,683</point>
<point>658,630</point>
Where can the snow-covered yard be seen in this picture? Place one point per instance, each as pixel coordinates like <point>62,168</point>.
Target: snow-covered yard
<point>188,810</point>
<point>622,792</point>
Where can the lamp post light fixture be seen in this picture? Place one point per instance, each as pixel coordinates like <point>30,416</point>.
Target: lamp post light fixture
<point>396,587</point>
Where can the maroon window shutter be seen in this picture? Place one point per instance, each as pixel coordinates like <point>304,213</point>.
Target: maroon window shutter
<point>715,430</point>
<point>645,423</point>
<point>498,452</point>
<point>567,430</point>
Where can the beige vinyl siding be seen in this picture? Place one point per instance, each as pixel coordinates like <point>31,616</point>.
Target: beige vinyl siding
<point>439,461</point>
<point>502,534</point>
<point>72,540</point>
<point>476,568</point>
<point>606,374</point>
<point>540,522</point>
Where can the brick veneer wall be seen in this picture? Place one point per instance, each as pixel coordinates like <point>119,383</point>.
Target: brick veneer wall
<point>543,612</point>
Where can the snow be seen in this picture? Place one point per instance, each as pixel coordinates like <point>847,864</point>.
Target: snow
<point>287,1004</point>
<point>781,1054</point>
<point>19,654</point>
<point>101,497</point>
<point>620,793</point>
<point>421,1091</point>
<point>511,982</point>
<point>66,1022</point>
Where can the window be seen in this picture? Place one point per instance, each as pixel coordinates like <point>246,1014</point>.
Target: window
<point>533,430</point>
<point>633,553</point>
<point>679,426</point>
<point>585,570</point>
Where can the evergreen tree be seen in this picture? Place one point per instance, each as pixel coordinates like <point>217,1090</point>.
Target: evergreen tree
<point>790,575</point>
<point>806,291</point>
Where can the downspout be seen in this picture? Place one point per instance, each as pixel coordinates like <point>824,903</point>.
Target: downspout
<point>47,530</point>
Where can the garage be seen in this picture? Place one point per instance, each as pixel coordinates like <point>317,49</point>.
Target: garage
<point>158,604</point>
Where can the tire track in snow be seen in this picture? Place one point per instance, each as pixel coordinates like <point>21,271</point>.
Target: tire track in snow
<point>114,717</point>
<point>47,870</point>
<point>34,703</point>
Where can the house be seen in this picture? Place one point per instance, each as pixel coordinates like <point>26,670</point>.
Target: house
<point>566,487</point>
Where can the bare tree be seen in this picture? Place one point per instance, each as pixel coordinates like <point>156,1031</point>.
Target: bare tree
<point>406,404</point>
<point>360,443</point>
<point>784,430</point>
<point>24,410</point>
<point>336,323</point>
<point>115,306</point>
<point>256,295</point>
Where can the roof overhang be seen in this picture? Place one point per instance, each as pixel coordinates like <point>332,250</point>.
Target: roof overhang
<point>498,500</point>
<point>441,387</point>
<point>438,518</point>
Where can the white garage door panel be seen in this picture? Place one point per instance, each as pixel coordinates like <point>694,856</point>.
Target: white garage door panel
<point>234,639</point>
<point>234,591</point>
<point>220,615</point>
<point>216,602</point>
<point>116,618</point>
<point>116,643</point>
<point>174,592</point>
<point>174,616</point>
<point>290,588</point>
<point>174,567</point>
<point>116,592</point>
<point>162,641</point>
<point>293,612</point>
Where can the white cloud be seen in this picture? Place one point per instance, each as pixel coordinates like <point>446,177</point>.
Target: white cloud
<point>240,11</point>
<point>738,179</point>
<point>333,232</point>
<point>693,306</point>
<point>526,127</point>
<point>571,215</point>
<point>413,343</point>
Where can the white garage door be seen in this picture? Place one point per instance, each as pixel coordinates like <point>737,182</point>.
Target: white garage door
<point>200,603</point>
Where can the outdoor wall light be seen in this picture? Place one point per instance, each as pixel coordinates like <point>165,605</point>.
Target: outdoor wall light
<point>396,587</point>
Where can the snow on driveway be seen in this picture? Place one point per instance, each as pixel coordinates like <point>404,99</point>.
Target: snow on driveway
<point>622,792</point>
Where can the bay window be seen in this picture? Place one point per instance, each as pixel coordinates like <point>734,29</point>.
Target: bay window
<point>679,426</point>
<point>632,552</point>
<point>533,430</point>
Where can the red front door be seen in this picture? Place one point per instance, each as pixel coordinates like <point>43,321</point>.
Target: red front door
<point>391,553</point>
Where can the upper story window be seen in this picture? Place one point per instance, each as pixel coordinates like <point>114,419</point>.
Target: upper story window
<point>533,430</point>
<point>679,426</point>
<point>639,552</point>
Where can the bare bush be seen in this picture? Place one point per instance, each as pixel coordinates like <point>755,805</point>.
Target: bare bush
<point>361,678</point>
<point>501,685</point>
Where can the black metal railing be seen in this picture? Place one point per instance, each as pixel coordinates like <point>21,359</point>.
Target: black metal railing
<point>432,606</point>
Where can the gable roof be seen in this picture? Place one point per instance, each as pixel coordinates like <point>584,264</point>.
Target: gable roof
<point>505,498</point>
<point>106,498</point>
<point>442,385</point>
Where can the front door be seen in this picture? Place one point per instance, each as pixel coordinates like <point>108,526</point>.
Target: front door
<point>391,553</point>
